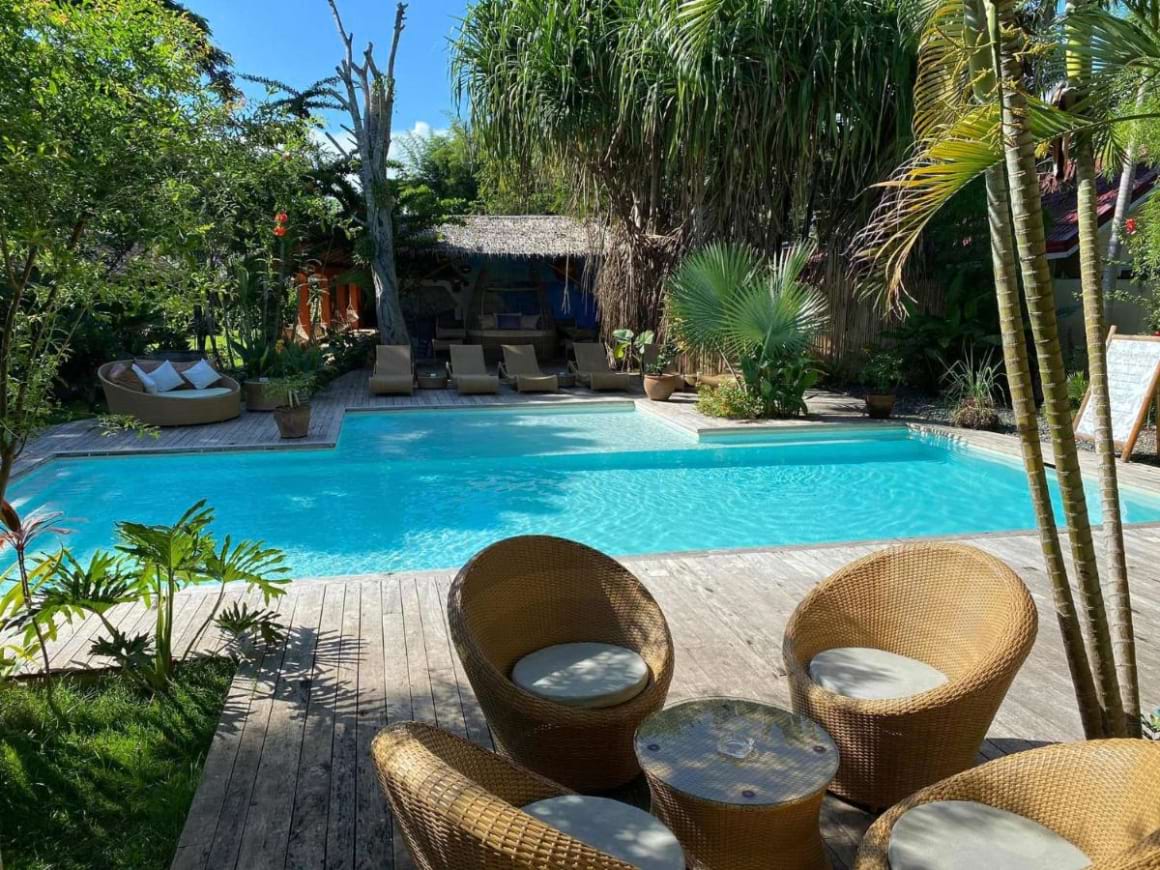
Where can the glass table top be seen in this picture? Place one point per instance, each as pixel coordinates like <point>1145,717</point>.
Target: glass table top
<point>733,751</point>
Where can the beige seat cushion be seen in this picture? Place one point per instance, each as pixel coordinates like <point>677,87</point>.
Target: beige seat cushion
<point>964,835</point>
<point>872,674</point>
<point>591,675</point>
<point>207,393</point>
<point>620,830</point>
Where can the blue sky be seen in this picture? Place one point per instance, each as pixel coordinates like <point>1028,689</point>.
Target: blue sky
<point>295,41</point>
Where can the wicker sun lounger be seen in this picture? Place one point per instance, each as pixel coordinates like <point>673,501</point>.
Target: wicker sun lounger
<point>951,607</point>
<point>520,367</point>
<point>592,370</point>
<point>468,370</point>
<point>530,592</point>
<point>1103,796</point>
<point>393,373</point>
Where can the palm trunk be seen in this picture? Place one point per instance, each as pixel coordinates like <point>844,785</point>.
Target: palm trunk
<point>1023,396</point>
<point>1027,210</point>
<point>1091,281</point>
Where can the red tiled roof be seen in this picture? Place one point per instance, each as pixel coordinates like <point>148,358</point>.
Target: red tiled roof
<point>1060,207</point>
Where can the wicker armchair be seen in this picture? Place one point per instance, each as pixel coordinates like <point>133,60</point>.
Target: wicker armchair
<point>526,593</point>
<point>950,606</point>
<point>459,806</point>
<point>1103,796</point>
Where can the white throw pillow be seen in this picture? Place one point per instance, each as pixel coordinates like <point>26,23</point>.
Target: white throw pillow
<point>202,375</point>
<point>166,378</point>
<point>146,379</point>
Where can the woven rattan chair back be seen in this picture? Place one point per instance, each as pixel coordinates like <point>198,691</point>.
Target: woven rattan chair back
<point>951,606</point>
<point>458,806</point>
<point>526,593</point>
<point>1102,795</point>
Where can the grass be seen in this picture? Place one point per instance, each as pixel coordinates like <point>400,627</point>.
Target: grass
<point>109,782</point>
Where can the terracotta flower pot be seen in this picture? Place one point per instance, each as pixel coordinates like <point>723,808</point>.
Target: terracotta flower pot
<point>660,387</point>
<point>263,395</point>
<point>880,406</point>
<point>293,422</point>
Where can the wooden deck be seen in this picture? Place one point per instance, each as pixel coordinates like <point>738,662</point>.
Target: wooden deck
<point>288,782</point>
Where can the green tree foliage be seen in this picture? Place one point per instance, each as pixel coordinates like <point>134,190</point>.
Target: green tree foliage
<point>99,104</point>
<point>692,121</point>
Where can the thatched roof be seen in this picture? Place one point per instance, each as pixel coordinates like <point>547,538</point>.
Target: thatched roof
<point>518,236</point>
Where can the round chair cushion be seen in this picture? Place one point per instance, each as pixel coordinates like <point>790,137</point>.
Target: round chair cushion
<point>207,393</point>
<point>965,835</point>
<point>591,675</point>
<point>619,830</point>
<point>872,674</point>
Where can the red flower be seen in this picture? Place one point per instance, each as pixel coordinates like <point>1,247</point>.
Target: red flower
<point>279,230</point>
<point>281,217</point>
<point>1130,226</point>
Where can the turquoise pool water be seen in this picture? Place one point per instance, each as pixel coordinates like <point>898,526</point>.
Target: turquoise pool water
<point>427,489</point>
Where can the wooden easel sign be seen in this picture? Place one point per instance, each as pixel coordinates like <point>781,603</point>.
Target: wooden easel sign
<point>1133,383</point>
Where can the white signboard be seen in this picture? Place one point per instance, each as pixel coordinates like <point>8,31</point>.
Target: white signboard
<point>1133,375</point>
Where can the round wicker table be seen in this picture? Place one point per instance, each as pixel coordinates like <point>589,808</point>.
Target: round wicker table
<point>740,783</point>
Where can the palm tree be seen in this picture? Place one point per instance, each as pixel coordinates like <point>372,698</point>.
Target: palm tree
<point>984,80</point>
<point>1027,209</point>
<point>1091,279</point>
<point>959,140</point>
<point>727,299</point>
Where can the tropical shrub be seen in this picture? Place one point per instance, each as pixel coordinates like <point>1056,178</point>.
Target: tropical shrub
<point>628,346</point>
<point>757,314</point>
<point>971,389</point>
<point>882,371</point>
<point>733,401</point>
<point>928,341</point>
<point>151,564</point>
<point>1077,387</point>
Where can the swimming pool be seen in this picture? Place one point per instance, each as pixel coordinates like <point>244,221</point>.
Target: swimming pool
<point>412,490</point>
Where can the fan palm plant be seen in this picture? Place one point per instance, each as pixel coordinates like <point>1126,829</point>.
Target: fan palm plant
<point>757,314</point>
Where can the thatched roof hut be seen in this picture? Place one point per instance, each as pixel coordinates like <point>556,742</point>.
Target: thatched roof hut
<point>519,236</point>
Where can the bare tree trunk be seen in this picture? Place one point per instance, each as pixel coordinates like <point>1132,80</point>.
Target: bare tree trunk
<point>1027,210</point>
<point>370,101</point>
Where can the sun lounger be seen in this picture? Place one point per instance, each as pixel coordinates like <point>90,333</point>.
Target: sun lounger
<point>469,372</point>
<point>520,367</point>
<point>393,373</point>
<point>592,370</point>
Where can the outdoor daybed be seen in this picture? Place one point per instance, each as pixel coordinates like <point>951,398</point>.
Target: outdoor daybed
<point>1099,798</point>
<point>904,657</point>
<point>184,406</point>
<point>524,595</point>
<point>493,331</point>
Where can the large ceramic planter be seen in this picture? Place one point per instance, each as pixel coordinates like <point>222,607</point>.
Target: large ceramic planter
<point>660,387</point>
<point>880,405</point>
<point>293,422</point>
<point>263,395</point>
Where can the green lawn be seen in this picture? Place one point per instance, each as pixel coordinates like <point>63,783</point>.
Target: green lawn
<point>109,783</point>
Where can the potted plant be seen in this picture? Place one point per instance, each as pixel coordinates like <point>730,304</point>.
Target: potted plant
<point>659,385</point>
<point>293,414</point>
<point>882,373</point>
<point>628,346</point>
<point>260,390</point>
